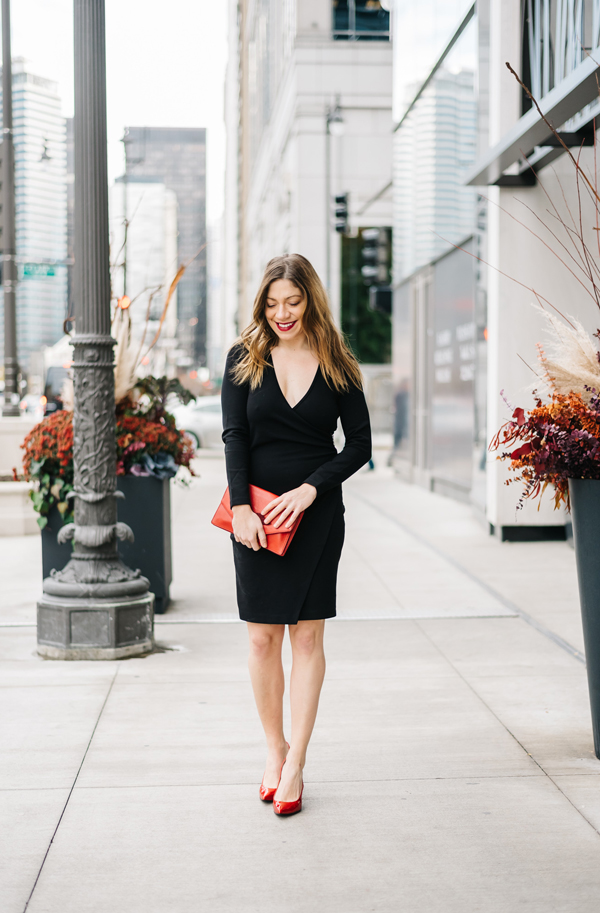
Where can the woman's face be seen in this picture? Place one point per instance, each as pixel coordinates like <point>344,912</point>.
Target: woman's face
<point>284,309</point>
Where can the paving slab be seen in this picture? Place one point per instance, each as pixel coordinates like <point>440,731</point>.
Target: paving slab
<point>29,818</point>
<point>23,586</point>
<point>21,665</point>
<point>200,733</point>
<point>447,846</point>
<point>45,731</point>
<point>538,577</point>
<point>583,790</point>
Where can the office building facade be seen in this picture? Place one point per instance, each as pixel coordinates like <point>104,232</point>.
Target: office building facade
<point>143,266</point>
<point>311,119</point>
<point>41,212</point>
<point>176,156</point>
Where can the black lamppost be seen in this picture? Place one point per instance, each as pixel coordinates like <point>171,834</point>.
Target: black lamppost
<point>9,250</point>
<point>96,607</point>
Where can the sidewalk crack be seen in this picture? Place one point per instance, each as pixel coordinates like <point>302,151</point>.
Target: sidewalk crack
<point>61,816</point>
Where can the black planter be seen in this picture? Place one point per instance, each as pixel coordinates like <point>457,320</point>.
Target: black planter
<point>146,508</point>
<point>585,514</point>
<point>54,556</point>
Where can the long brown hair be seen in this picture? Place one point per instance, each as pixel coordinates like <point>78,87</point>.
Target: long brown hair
<point>338,364</point>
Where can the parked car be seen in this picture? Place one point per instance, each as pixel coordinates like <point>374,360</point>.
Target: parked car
<point>202,421</point>
<point>33,404</point>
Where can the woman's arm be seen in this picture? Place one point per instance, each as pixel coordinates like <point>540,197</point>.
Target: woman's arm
<point>354,416</point>
<point>236,432</point>
<point>247,526</point>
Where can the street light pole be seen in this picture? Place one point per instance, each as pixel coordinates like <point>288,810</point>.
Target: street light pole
<point>334,124</point>
<point>96,607</point>
<point>10,407</point>
<point>328,202</point>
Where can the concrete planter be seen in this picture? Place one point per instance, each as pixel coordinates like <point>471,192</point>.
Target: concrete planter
<point>585,511</point>
<point>17,516</point>
<point>146,508</point>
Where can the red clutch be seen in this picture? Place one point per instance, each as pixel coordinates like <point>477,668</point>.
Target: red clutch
<point>278,539</point>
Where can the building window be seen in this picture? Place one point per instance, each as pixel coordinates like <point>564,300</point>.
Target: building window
<point>360,20</point>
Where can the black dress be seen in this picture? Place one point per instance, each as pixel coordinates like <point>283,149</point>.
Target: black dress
<point>278,447</point>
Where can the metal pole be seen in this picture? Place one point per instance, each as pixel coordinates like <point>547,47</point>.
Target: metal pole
<point>9,265</point>
<point>96,607</point>
<point>328,202</point>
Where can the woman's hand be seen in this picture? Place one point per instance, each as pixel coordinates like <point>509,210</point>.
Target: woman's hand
<point>248,527</point>
<point>289,506</point>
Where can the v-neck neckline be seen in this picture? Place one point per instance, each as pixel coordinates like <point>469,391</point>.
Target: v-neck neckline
<point>302,398</point>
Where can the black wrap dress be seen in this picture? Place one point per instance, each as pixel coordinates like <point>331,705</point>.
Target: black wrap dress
<point>278,447</point>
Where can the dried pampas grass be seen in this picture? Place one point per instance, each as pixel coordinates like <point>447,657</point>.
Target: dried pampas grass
<point>125,354</point>
<point>570,360</point>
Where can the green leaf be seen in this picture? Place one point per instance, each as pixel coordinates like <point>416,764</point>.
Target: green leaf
<point>37,498</point>
<point>62,507</point>
<point>42,522</point>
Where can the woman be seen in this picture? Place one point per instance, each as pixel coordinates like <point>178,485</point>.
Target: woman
<point>287,380</point>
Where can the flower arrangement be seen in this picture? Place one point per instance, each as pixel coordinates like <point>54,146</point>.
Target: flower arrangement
<point>49,461</point>
<point>558,440</point>
<point>148,444</point>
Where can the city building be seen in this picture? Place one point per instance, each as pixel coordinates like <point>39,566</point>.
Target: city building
<point>41,213</point>
<point>176,156</point>
<point>144,261</point>
<point>435,321</point>
<point>490,184</point>
<point>309,118</point>
<point>221,321</point>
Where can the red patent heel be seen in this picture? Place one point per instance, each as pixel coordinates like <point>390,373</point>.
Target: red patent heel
<point>289,808</point>
<point>265,792</point>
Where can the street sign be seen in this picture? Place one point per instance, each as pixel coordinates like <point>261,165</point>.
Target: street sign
<point>38,270</point>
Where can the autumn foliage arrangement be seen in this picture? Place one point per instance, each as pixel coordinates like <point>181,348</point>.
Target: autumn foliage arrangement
<point>557,441</point>
<point>148,443</point>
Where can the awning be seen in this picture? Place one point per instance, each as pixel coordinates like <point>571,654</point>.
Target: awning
<point>563,102</point>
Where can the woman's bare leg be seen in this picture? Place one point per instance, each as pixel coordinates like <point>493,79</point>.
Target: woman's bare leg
<point>308,671</point>
<point>266,674</point>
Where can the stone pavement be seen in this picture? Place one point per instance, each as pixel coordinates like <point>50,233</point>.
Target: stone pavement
<point>451,767</point>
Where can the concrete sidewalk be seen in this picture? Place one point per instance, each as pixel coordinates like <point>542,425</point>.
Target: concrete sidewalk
<point>451,768</point>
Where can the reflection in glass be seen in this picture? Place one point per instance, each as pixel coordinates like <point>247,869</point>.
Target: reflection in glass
<point>360,20</point>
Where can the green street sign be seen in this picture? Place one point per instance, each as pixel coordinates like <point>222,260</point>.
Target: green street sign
<point>37,270</point>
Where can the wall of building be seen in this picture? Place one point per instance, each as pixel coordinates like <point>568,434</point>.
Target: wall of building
<point>177,157</point>
<point>150,258</point>
<point>285,97</point>
<point>436,325</point>
<point>41,212</point>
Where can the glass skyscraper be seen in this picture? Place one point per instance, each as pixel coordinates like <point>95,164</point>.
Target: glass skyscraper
<point>177,157</point>
<point>41,212</point>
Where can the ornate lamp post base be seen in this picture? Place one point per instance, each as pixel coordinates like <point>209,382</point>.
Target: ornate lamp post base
<point>95,628</point>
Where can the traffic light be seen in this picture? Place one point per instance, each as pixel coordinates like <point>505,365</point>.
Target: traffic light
<point>341,213</point>
<point>380,298</point>
<point>375,255</point>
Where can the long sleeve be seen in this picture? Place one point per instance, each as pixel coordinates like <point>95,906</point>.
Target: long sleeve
<point>354,416</point>
<point>236,433</point>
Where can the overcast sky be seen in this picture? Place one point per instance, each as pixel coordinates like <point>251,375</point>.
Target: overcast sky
<point>165,68</point>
